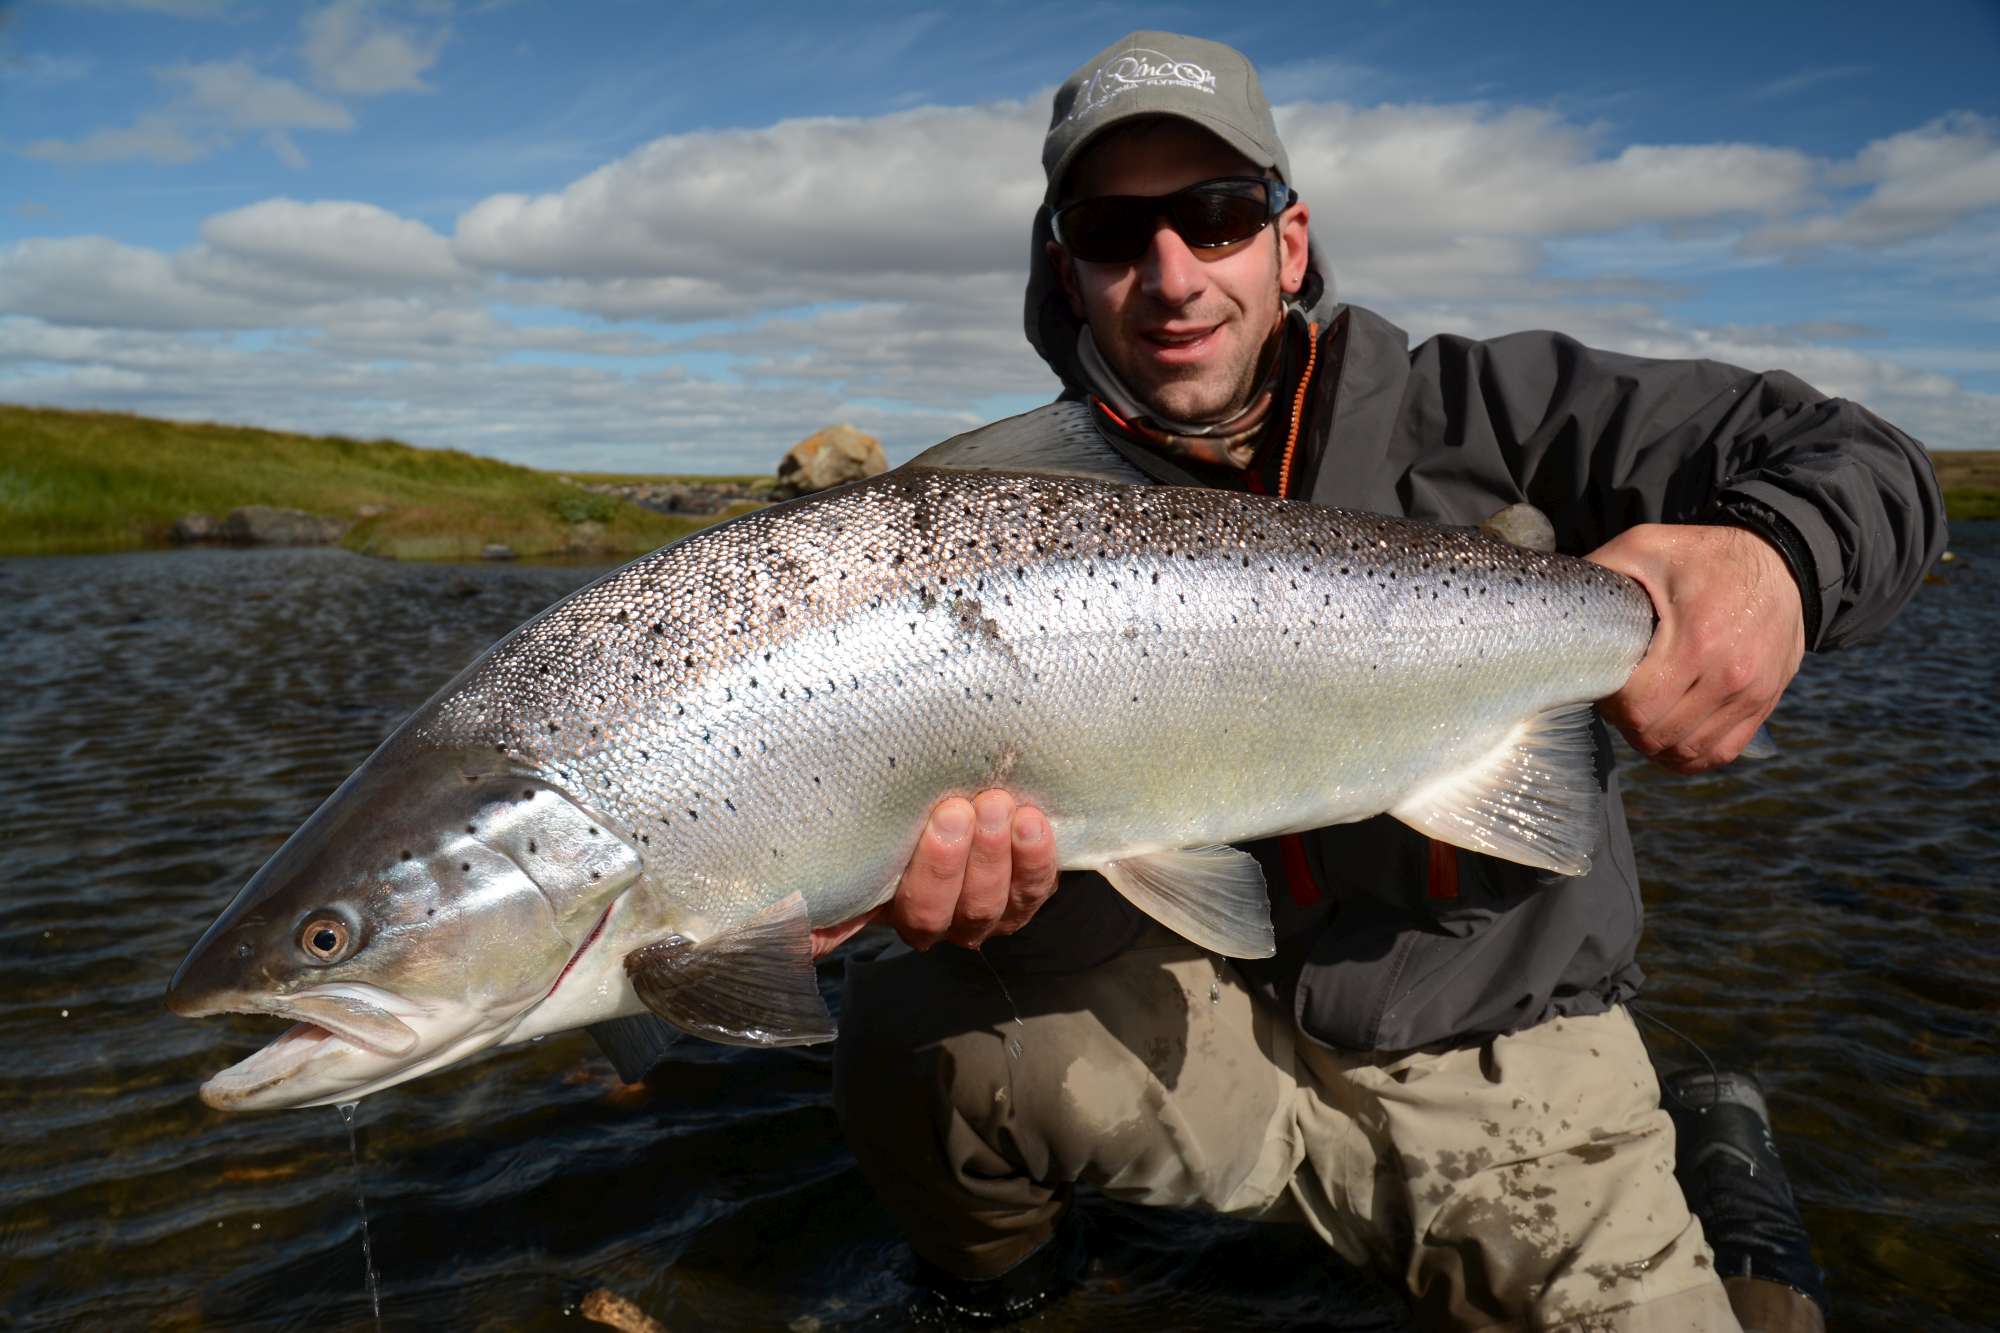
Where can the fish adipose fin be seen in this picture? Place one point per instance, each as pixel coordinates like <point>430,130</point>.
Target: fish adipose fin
<point>1534,799</point>
<point>1211,896</point>
<point>750,985</point>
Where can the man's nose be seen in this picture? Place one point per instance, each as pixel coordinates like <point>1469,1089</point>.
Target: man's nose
<point>1169,271</point>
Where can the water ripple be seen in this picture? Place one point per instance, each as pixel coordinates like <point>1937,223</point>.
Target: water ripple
<point>1829,918</point>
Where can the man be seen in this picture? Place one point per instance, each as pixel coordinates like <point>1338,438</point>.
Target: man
<point>1436,1072</point>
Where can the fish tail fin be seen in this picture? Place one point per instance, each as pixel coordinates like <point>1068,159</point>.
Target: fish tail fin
<point>1534,798</point>
<point>1211,896</point>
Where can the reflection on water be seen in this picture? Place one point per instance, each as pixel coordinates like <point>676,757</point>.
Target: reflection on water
<point>1829,918</point>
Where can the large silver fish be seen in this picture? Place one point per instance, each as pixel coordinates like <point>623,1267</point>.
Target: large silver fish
<point>648,795</point>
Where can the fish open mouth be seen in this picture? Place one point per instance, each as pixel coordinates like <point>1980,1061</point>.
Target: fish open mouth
<point>336,1028</point>
<point>272,1065</point>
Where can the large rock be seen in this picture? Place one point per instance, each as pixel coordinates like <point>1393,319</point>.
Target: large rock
<point>197,528</point>
<point>262,525</point>
<point>830,457</point>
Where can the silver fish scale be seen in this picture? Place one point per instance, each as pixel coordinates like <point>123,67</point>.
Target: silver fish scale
<point>774,704</point>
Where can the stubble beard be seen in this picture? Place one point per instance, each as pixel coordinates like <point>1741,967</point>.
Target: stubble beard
<point>1199,395</point>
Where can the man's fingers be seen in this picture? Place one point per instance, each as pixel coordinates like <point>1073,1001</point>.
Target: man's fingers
<point>984,893</point>
<point>825,939</point>
<point>928,896</point>
<point>1035,868</point>
<point>1719,737</point>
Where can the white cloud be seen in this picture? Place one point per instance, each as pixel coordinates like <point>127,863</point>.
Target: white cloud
<point>350,48</point>
<point>869,269</point>
<point>94,280</point>
<point>1925,181</point>
<point>1404,176</point>
<point>153,137</point>
<point>235,94</point>
<point>211,103</point>
<point>335,240</point>
<point>811,209</point>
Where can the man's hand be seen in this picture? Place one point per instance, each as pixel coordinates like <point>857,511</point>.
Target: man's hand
<point>982,868</point>
<point>1730,638</point>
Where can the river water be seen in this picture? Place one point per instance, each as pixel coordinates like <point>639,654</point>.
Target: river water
<point>1830,918</point>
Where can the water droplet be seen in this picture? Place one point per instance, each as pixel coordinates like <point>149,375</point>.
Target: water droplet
<point>538,1038</point>
<point>346,1110</point>
<point>1214,991</point>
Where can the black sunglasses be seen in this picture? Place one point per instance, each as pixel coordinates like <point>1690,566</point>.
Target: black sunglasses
<point>1118,228</point>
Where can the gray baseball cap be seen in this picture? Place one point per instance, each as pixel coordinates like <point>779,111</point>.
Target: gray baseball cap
<point>1163,74</point>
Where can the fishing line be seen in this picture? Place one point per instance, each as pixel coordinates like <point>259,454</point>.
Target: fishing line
<point>1715,1074</point>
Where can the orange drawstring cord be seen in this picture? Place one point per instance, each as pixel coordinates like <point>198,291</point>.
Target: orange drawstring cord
<point>1298,413</point>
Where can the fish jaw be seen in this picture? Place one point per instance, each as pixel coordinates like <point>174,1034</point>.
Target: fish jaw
<point>352,1041</point>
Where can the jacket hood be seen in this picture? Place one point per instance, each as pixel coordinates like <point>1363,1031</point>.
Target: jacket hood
<point>1053,331</point>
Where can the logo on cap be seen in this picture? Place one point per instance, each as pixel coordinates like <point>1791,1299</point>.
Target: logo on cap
<point>1140,67</point>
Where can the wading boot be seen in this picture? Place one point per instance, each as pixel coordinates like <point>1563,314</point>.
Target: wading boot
<point>945,1301</point>
<point>1728,1167</point>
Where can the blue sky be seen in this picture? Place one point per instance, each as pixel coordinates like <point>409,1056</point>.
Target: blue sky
<point>680,237</point>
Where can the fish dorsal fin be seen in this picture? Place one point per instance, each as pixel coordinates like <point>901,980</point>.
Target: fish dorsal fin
<point>1211,896</point>
<point>750,985</point>
<point>1059,439</point>
<point>1533,799</point>
<point>1760,745</point>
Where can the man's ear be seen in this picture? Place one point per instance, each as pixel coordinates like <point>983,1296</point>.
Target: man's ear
<point>1294,241</point>
<point>1066,274</point>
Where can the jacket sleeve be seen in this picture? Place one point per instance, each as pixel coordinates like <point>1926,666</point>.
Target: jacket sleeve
<point>1602,441</point>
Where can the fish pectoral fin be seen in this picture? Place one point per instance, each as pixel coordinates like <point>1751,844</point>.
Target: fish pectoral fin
<point>750,985</point>
<point>1211,896</point>
<point>1534,799</point>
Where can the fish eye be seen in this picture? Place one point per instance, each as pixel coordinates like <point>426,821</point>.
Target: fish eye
<point>324,938</point>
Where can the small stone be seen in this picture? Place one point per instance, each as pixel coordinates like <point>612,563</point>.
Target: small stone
<point>496,551</point>
<point>264,525</point>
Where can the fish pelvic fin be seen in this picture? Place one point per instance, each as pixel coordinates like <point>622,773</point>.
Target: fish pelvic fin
<point>750,985</point>
<point>634,1044</point>
<point>1211,896</point>
<point>1534,799</point>
<point>1760,745</point>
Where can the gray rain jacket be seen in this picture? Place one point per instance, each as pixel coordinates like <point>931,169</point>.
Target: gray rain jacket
<point>1370,958</point>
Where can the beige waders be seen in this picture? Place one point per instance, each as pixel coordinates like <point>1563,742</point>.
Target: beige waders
<point>1521,1182</point>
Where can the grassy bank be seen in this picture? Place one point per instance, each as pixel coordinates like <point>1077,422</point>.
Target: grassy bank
<point>1971,481</point>
<point>100,481</point>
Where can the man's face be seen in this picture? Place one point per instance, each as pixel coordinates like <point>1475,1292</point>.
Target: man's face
<point>1185,329</point>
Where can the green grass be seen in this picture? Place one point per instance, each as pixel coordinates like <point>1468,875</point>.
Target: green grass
<point>1971,481</point>
<point>100,481</point>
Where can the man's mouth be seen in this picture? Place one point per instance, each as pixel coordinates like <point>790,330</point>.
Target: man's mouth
<point>1181,344</point>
